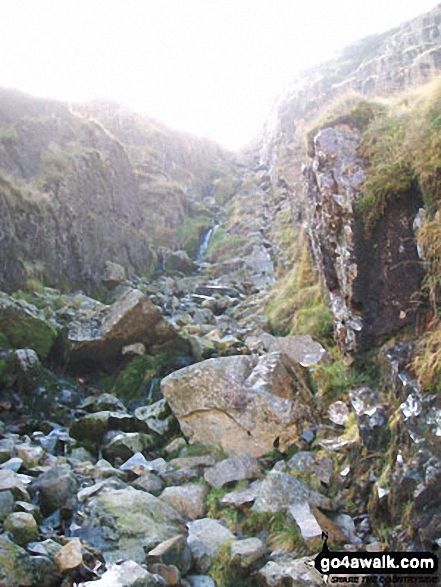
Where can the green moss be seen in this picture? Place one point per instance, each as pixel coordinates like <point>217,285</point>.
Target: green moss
<point>333,380</point>
<point>134,380</point>
<point>190,232</point>
<point>224,246</point>
<point>221,571</point>
<point>24,331</point>
<point>141,376</point>
<point>7,374</point>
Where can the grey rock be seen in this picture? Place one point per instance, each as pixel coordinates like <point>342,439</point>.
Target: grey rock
<point>103,402</point>
<point>174,551</point>
<point>205,538</point>
<point>302,515</point>
<point>16,567</point>
<point>280,490</point>
<point>200,581</point>
<point>300,348</point>
<point>113,275</point>
<point>232,469</point>
<point>126,574</point>
<point>11,481</point>
<point>22,527</point>
<point>242,497</point>
<point>56,488</point>
<point>246,553</point>
<point>121,522</point>
<point>373,428</point>
<point>157,418</point>
<point>132,318</point>
<point>6,504</point>
<point>188,499</point>
<point>13,464</point>
<point>149,482</point>
<point>45,572</point>
<point>126,444</point>
<point>289,571</point>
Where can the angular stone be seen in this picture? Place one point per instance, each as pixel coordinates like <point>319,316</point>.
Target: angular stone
<point>157,418</point>
<point>188,499</point>
<point>232,469</point>
<point>200,581</point>
<point>70,556</point>
<point>10,481</point>
<point>216,405</point>
<point>101,403</point>
<point>246,553</point>
<point>174,551</point>
<point>91,427</point>
<point>28,368</point>
<point>205,538</point>
<point>149,482</point>
<point>290,571</point>
<point>46,572</point>
<point>301,348</point>
<point>126,444</point>
<point>280,490</point>
<point>175,445</point>
<point>113,275</point>
<point>13,464</point>
<point>191,462</point>
<point>32,456</point>
<point>302,515</point>
<point>338,413</point>
<point>170,574</point>
<point>242,497</point>
<point>126,574</point>
<point>56,488</point>
<point>131,319</point>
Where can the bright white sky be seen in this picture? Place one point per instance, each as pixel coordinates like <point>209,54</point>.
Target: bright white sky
<point>212,67</point>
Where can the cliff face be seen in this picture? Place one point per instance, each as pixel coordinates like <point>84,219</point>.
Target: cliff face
<point>73,196</point>
<point>314,162</point>
<point>372,277</point>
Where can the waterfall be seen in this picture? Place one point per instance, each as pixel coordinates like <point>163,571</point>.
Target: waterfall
<point>205,242</point>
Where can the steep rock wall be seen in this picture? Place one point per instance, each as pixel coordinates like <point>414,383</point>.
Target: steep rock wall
<point>371,278</point>
<point>359,272</point>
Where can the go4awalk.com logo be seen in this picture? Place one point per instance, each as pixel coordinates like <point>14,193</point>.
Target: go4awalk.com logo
<point>381,568</point>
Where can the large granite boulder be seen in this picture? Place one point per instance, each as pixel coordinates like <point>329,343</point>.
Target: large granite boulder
<point>240,403</point>
<point>133,318</point>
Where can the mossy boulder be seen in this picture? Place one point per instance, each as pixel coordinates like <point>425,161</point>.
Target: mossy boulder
<point>24,328</point>
<point>22,526</point>
<point>15,565</point>
<point>124,522</point>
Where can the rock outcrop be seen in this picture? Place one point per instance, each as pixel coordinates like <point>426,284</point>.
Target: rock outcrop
<point>360,269</point>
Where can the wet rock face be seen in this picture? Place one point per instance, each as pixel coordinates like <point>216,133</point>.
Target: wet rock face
<point>360,270</point>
